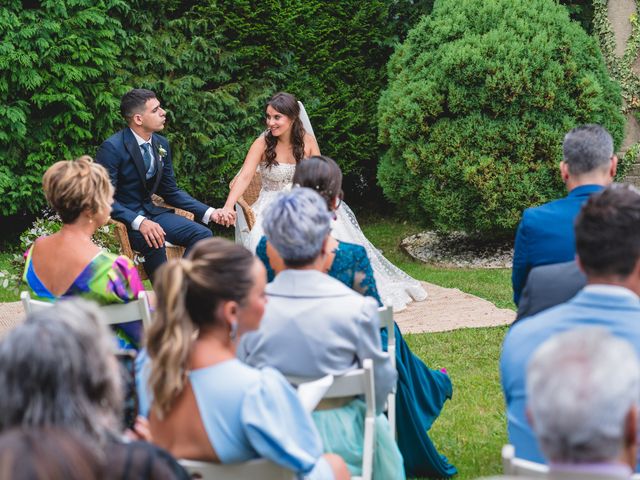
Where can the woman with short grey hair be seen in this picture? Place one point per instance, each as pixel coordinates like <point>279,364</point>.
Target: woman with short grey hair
<point>298,225</point>
<point>314,325</point>
<point>57,369</point>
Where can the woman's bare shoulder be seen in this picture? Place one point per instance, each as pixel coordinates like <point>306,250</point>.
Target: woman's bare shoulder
<point>310,145</point>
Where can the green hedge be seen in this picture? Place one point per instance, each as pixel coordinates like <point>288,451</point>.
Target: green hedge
<point>57,90</point>
<point>65,63</point>
<point>480,96</point>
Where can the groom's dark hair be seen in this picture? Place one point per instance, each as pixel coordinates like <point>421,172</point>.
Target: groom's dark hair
<point>134,101</point>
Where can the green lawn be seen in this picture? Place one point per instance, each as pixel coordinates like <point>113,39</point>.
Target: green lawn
<point>491,284</point>
<point>472,428</point>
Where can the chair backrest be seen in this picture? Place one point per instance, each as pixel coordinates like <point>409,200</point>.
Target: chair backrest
<point>386,320</point>
<point>116,313</point>
<point>354,383</point>
<point>519,467</point>
<point>253,469</point>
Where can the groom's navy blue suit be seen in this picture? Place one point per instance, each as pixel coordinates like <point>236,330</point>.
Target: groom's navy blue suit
<point>120,155</point>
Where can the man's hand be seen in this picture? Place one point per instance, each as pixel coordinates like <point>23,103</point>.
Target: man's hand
<point>152,233</point>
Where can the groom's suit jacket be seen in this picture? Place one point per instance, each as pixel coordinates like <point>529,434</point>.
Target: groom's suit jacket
<point>120,155</point>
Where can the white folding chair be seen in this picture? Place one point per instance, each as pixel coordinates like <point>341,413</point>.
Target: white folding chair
<point>259,468</point>
<point>115,313</point>
<point>351,384</point>
<point>519,467</point>
<point>386,320</point>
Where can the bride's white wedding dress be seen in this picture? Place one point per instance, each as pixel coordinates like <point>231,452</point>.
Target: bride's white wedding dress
<point>395,287</point>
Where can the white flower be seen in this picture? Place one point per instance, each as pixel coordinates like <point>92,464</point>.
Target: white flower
<point>162,152</point>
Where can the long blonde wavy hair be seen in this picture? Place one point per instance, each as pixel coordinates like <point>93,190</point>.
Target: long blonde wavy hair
<point>189,291</point>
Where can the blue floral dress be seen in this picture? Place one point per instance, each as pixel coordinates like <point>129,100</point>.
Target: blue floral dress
<point>421,391</point>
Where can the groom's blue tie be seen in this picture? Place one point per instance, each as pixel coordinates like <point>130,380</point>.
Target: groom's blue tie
<point>146,157</point>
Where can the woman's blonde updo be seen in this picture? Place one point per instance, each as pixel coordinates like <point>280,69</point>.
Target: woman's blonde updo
<point>74,186</point>
<point>189,291</point>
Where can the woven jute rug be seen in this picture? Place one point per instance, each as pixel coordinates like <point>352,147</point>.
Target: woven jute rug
<point>444,309</point>
<point>448,309</point>
<point>11,314</point>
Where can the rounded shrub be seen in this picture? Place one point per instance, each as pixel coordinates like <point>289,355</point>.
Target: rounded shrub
<point>480,96</point>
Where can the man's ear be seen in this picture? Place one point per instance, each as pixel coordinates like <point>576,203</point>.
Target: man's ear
<point>527,412</point>
<point>614,166</point>
<point>137,119</point>
<point>631,426</point>
<point>630,450</point>
<point>564,171</point>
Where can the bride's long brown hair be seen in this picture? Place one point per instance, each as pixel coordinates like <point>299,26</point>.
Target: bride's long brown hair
<point>189,291</point>
<point>286,104</point>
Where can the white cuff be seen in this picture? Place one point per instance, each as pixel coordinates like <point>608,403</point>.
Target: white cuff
<point>135,225</point>
<point>207,215</point>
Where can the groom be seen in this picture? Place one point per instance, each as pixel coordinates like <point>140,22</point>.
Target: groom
<point>139,163</point>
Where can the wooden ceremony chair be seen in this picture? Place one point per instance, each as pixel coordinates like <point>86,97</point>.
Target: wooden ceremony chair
<point>249,197</point>
<point>114,313</point>
<point>253,469</point>
<point>173,251</point>
<point>354,383</point>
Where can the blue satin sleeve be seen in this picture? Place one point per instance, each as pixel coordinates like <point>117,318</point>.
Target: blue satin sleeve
<point>277,425</point>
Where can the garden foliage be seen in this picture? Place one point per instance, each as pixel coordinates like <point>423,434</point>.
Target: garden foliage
<point>58,93</point>
<point>480,96</point>
<point>213,63</point>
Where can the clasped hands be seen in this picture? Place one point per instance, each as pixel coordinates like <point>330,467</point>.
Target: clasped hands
<point>154,234</point>
<point>224,216</point>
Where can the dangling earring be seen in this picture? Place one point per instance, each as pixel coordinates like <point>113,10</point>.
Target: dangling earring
<point>233,331</point>
<point>90,219</point>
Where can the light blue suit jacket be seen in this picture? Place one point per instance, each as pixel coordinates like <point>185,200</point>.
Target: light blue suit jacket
<point>313,326</point>
<point>619,314</point>
<point>545,235</point>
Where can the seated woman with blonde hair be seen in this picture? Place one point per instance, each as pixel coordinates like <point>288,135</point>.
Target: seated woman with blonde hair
<point>68,263</point>
<point>205,404</point>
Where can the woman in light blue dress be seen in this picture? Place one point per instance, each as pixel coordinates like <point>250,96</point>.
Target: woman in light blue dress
<point>203,403</point>
<point>421,391</point>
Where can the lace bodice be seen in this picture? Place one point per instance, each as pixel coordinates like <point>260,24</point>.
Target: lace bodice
<point>277,177</point>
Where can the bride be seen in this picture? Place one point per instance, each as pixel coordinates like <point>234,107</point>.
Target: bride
<point>288,139</point>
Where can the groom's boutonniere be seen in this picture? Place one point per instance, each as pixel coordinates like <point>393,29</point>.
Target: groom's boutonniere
<point>162,152</point>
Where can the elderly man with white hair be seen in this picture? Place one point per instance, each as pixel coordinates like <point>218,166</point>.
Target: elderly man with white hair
<point>583,390</point>
<point>314,325</point>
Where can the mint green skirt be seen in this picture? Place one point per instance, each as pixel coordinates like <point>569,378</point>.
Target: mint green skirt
<point>342,433</point>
